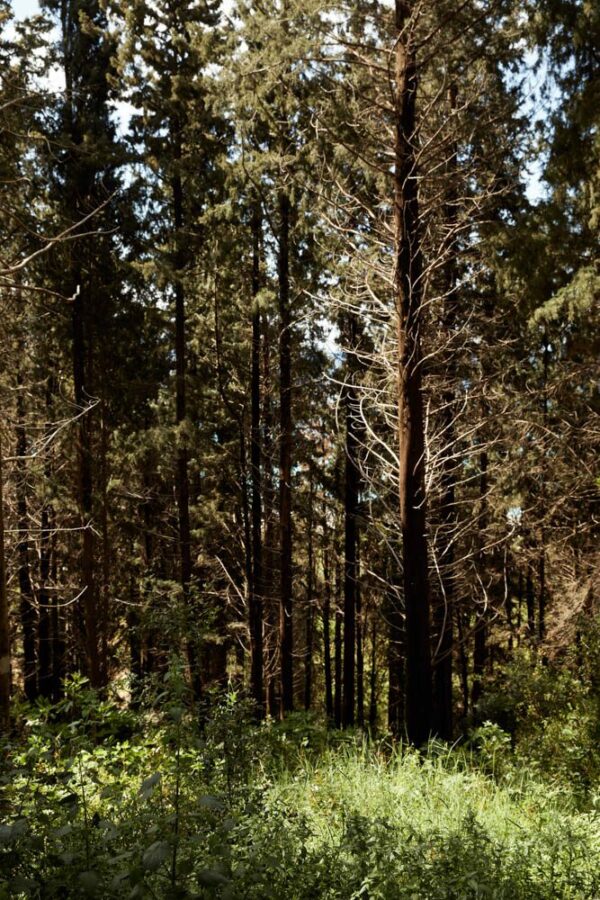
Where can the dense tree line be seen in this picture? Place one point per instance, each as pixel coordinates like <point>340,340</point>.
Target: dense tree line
<point>296,381</point>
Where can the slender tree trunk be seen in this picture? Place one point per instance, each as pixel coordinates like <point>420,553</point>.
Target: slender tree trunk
<point>269,551</point>
<point>256,600</point>
<point>58,623</point>
<point>509,605</point>
<point>373,678</point>
<point>80,176</point>
<point>106,552</point>
<point>28,610</point>
<point>135,642</point>
<point>530,602</point>
<point>464,661</point>
<point>83,395</point>
<point>337,653</point>
<point>5,667</point>
<point>396,661</point>
<point>408,293</point>
<point>519,608</point>
<point>285,459</point>
<point>351,496</point>
<point>327,625</point>
<point>45,636</point>
<point>480,648</point>
<point>309,636</point>
<point>360,659</point>
<point>444,610</point>
<point>544,479</point>
<point>182,474</point>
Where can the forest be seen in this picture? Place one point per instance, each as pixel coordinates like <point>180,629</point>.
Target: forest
<point>299,424</point>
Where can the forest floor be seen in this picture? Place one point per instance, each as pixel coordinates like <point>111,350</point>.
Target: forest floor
<point>100,801</point>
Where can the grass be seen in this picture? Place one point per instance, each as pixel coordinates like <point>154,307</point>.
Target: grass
<point>289,812</point>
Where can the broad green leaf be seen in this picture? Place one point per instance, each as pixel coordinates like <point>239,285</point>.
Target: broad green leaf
<point>149,784</point>
<point>155,855</point>
<point>212,878</point>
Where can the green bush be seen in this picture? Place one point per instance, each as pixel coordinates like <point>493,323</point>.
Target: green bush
<point>227,808</point>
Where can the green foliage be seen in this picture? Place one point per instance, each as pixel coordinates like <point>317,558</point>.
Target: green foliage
<point>549,710</point>
<point>233,809</point>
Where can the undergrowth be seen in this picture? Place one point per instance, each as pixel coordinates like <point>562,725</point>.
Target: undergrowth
<point>99,802</point>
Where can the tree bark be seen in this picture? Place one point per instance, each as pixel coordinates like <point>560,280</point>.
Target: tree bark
<point>327,625</point>
<point>396,661</point>
<point>182,474</point>
<point>309,636</point>
<point>351,496</point>
<point>257,591</point>
<point>408,298</point>
<point>444,610</point>
<point>337,654</point>
<point>5,667</point>
<point>285,460</point>
<point>28,610</point>
<point>480,649</point>
<point>373,679</point>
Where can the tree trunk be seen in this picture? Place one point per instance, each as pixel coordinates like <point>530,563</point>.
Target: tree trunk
<point>106,550</point>
<point>83,395</point>
<point>444,610</point>
<point>4,621</point>
<point>530,602</point>
<point>28,610</point>
<point>257,593</point>
<point>408,295</point>
<point>337,652</point>
<point>308,657</point>
<point>269,550</point>
<point>58,623</point>
<point>396,661</point>
<point>360,659</point>
<point>480,649</point>
<point>373,679</point>
<point>285,460</point>
<point>351,496</point>
<point>182,475</point>
<point>327,625</point>
<point>464,661</point>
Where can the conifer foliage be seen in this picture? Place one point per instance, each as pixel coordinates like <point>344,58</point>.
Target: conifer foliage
<point>296,381</point>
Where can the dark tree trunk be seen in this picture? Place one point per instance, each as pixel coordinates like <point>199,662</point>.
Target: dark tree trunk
<point>444,610</point>
<point>308,657</point>
<point>27,606</point>
<point>519,608</point>
<point>257,592</point>
<point>373,679</point>
<point>408,294</point>
<point>480,648</point>
<point>285,459</point>
<point>182,474</point>
<point>509,605</point>
<point>396,661</point>
<point>351,498</point>
<point>4,621</point>
<point>327,626</point>
<point>83,395</point>
<point>270,566</point>
<point>337,653</point>
<point>106,551</point>
<point>464,660</point>
<point>360,658</point>
<point>45,635</point>
<point>84,110</point>
<point>135,642</point>
<point>58,624</point>
<point>542,595</point>
<point>530,601</point>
